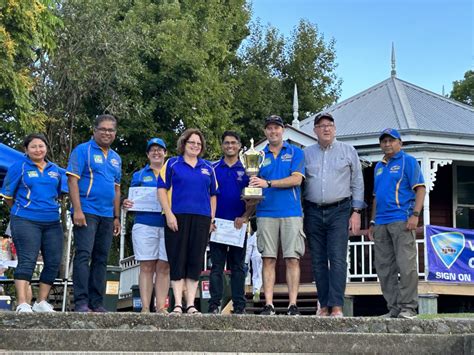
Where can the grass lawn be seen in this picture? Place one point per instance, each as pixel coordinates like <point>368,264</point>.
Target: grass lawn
<point>445,315</point>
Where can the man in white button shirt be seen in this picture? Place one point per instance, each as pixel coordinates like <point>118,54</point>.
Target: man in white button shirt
<point>333,200</point>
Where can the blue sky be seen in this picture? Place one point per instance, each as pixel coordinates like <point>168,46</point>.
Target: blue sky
<point>433,38</point>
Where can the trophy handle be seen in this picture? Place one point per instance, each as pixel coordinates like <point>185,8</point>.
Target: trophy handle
<point>262,158</point>
<point>241,157</point>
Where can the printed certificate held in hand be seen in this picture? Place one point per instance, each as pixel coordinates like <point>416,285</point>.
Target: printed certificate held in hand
<point>226,233</point>
<point>144,199</point>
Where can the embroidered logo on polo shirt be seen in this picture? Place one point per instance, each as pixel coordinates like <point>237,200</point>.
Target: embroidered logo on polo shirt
<point>205,171</point>
<point>98,159</point>
<point>53,174</point>
<point>114,162</point>
<point>286,157</point>
<point>379,171</point>
<point>395,169</point>
<point>147,179</point>
<point>267,161</point>
<point>32,174</point>
<point>240,174</point>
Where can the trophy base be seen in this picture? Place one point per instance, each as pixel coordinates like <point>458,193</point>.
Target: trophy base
<point>252,193</point>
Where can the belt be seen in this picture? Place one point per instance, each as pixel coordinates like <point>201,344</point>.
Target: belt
<point>329,205</point>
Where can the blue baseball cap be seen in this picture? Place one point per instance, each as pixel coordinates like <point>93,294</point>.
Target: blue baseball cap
<point>157,141</point>
<point>392,132</point>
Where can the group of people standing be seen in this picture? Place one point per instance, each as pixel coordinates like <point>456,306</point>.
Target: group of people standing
<point>193,192</point>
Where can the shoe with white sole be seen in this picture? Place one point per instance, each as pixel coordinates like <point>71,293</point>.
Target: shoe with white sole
<point>24,308</point>
<point>43,307</point>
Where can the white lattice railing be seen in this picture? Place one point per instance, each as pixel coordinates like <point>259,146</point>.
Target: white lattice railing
<point>128,276</point>
<point>360,260</point>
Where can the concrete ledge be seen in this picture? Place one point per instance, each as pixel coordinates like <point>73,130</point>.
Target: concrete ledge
<point>231,341</point>
<point>137,321</point>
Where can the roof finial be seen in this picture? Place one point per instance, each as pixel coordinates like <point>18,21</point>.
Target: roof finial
<point>296,122</point>
<point>393,73</point>
<point>442,91</point>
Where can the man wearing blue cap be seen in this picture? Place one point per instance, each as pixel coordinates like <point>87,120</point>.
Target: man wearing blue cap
<point>399,191</point>
<point>148,234</point>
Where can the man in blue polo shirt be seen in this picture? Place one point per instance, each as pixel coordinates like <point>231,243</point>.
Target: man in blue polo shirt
<point>231,177</point>
<point>279,214</point>
<point>399,192</point>
<point>94,173</point>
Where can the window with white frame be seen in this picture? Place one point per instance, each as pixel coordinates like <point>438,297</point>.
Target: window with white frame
<point>464,196</point>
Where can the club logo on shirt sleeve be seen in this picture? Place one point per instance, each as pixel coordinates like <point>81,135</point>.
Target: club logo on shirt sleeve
<point>379,171</point>
<point>267,161</point>
<point>98,159</point>
<point>205,171</point>
<point>32,174</point>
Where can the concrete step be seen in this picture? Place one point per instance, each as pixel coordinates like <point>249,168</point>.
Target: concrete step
<point>230,341</point>
<point>134,332</point>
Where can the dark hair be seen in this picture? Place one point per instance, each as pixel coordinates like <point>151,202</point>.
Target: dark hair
<point>105,117</point>
<point>30,137</point>
<point>230,134</point>
<point>183,139</point>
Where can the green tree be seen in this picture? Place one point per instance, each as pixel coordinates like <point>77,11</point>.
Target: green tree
<point>463,90</point>
<point>270,67</point>
<point>26,37</point>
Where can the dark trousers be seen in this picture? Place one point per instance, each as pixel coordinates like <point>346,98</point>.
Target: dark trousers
<point>92,246</point>
<point>327,231</point>
<point>30,237</point>
<point>186,247</point>
<point>235,257</point>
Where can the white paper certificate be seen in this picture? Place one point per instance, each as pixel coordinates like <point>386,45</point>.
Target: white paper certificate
<point>144,199</point>
<point>226,233</point>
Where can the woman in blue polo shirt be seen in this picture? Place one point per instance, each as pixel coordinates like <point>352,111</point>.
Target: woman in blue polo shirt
<point>31,189</point>
<point>148,234</point>
<point>187,189</point>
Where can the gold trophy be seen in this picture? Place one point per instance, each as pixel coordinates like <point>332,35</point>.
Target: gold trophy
<point>252,160</point>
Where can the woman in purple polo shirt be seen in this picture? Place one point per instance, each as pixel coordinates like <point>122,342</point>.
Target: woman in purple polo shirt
<point>187,189</point>
<point>31,188</point>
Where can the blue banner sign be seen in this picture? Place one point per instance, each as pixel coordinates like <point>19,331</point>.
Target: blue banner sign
<point>450,254</point>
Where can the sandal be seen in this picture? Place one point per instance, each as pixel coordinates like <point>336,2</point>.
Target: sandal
<point>192,310</point>
<point>177,310</point>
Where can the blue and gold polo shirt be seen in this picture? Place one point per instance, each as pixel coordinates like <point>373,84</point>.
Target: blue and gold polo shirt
<point>98,172</point>
<point>146,177</point>
<point>394,188</point>
<point>231,180</point>
<point>281,203</point>
<point>189,189</point>
<point>34,190</point>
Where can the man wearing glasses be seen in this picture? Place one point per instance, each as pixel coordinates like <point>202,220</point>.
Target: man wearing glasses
<point>94,173</point>
<point>333,200</point>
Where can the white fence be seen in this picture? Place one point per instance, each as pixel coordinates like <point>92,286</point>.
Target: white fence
<point>360,260</point>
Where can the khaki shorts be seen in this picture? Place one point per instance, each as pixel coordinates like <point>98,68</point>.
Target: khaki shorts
<point>289,230</point>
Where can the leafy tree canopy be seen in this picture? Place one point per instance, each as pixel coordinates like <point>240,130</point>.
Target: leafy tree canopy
<point>463,90</point>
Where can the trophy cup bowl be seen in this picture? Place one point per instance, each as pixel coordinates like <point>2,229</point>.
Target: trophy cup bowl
<point>252,160</point>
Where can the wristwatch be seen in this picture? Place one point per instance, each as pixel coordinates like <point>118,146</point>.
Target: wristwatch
<point>416,213</point>
<point>372,223</point>
<point>269,183</point>
<point>357,210</point>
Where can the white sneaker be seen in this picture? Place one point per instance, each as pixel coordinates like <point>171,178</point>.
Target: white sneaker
<point>43,307</point>
<point>24,308</point>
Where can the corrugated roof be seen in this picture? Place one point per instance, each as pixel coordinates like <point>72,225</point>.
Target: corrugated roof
<point>398,104</point>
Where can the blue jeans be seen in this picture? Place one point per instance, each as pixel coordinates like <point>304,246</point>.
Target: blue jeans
<point>30,237</point>
<point>235,257</point>
<point>92,245</point>
<point>328,236</point>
